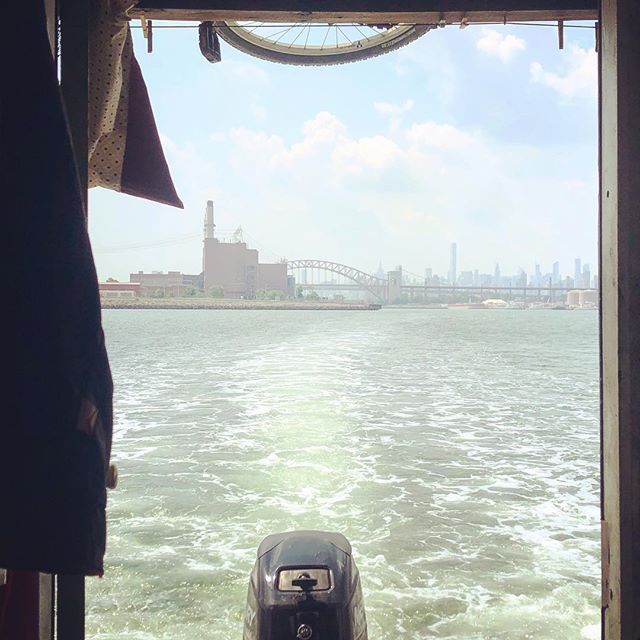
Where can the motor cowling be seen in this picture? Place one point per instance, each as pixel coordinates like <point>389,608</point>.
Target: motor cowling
<point>305,586</point>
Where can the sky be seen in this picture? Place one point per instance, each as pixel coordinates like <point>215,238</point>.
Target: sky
<point>485,136</point>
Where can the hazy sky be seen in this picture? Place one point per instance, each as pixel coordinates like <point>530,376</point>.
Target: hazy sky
<point>485,136</point>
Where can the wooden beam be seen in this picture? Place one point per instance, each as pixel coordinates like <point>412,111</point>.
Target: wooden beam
<point>70,600</point>
<point>620,310</point>
<point>74,77</point>
<point>46,609</point>
<point>369,11</point>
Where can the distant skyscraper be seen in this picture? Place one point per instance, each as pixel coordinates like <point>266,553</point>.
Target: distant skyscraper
<point>428,275</point>
<point>537,276</point>
<point>577,273</point>
<point>465,279</point>
<point>556,272</point>
<point>453,263</point>
<point>496,274</point>
<point>586,276</point>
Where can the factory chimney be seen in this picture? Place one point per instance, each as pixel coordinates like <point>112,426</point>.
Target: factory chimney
<point>209,227</point>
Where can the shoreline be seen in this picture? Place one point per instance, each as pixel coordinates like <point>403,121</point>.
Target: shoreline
<point>219,303</point>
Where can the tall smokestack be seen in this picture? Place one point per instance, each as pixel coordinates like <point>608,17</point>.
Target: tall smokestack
<point>209,227</point>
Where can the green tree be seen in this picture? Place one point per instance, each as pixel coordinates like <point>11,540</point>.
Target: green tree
<point>216,292</point>
<point>270,294</point>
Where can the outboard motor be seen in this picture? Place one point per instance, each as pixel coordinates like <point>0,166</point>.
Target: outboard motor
<point>305,586</point>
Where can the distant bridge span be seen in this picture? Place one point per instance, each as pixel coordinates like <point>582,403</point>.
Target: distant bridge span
<point>380,287</point>
<point>373,284</point>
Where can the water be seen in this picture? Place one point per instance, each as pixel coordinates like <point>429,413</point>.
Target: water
<point>457,449</point>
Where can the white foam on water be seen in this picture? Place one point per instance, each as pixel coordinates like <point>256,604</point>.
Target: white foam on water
<point>591,632</point>
<point>462,470</point>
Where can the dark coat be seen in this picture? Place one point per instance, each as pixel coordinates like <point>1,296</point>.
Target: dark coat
<point>55,426</point>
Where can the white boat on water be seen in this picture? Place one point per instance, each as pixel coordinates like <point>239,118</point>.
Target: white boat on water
<point>495,303</point>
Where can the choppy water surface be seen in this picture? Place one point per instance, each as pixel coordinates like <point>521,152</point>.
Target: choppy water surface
<point>456,449</point>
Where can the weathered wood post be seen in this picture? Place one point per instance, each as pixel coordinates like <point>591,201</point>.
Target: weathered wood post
<point>74,76</point>
<point>620,316</point>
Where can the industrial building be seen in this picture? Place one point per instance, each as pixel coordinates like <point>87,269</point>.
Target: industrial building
<point>119,289</point>
<point>158,283</point>
<point>234,268</point>
<point>230,268</point>
<point>582,299</point>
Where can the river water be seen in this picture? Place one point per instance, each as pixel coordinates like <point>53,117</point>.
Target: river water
<point>457,449</point>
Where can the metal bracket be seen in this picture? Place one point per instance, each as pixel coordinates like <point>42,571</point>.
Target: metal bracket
<point>209,42</point>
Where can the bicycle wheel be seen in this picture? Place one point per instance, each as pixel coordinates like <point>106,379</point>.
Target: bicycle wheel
<point>317,44</point>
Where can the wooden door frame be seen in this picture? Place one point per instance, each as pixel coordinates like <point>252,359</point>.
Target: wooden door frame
<point>619,239</point>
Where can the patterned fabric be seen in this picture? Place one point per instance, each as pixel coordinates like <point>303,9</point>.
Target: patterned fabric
<point>55,433</point>
<point>110,53</point>
<point>125,153</point>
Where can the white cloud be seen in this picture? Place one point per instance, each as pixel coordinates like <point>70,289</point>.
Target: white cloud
<point>429,180</point>
<point>320,190</point>
<point>391,109</point>
<point>502,46</point>
<point>439,136</point>
<point>365,154</point>
<point>255,148</point>
<point>270,151</point>
<point>578,78</point>
<point>324,127</point>
<point>248,72</point>
<point>259,112</point>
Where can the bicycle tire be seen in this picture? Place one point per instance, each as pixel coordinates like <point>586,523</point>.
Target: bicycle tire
<point>231,37</point>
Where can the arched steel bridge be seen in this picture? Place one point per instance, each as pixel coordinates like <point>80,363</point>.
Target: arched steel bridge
<point>373,284</point>
<point>380,287</point>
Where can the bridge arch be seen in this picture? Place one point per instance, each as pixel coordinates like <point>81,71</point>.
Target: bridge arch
<point>373,284</point>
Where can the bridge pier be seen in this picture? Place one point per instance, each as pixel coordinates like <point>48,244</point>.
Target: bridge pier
<point>394,282</point>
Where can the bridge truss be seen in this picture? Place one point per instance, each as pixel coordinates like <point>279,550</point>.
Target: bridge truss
<point>366,281</point>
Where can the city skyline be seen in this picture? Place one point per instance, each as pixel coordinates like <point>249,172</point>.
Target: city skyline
<point>583,277</point>
<point>443,273</point>
<point>486,136</point>
<point>582,273</point>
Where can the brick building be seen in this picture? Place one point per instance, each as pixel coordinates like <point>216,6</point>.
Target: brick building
<point>234,268</point>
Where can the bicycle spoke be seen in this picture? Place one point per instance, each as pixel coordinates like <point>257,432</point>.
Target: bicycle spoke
<point>271,36</point>
<point>299,34</point>
<point>326,35</point>
<point>317,43</point>
<point>345,35</point>
<point>287,31</point>
<point>364,35</point>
